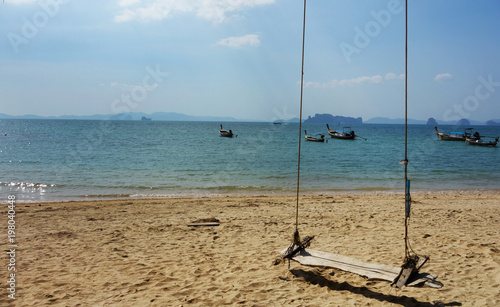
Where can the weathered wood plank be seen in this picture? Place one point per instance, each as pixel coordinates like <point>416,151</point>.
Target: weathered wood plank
<point>312,257</point>
<point>405,274</point>
<point>421,261</point>
<point>377,271</point>
<point>424,279</point>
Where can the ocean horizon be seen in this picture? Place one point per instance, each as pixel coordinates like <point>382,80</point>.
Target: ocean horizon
<point>64,160</point>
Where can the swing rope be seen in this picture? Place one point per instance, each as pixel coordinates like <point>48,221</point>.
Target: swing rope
<point>408,249</point>
<point>412,262</point>
<point>300,125</point>
<point>407,185</point>
<point>298,244</point>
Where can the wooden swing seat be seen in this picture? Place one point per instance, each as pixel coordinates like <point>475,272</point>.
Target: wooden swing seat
<point>377,271</point>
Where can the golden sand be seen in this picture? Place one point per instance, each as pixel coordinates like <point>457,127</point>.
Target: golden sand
<point>142,253</point>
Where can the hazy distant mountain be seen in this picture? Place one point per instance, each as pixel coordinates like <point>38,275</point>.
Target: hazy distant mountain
<point>463,122</point>
<point>401,121</point>
<point>431,122</point>
<point>27,116</point>
<point>330,119</point>
<point>162,116</point>
<point>385,120</point>
<point>172,116</point>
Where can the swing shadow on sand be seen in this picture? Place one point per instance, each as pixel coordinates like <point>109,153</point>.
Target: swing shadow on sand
<point>317,279</point>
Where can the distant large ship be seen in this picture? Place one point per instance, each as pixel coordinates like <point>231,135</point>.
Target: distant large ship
<point>145,118</point>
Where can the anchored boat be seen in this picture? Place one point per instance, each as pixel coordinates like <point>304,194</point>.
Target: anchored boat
<point>481,142</point>
<point>455,136</point>
<point>346,134</point>
<point>315,137</point>
<point>225,133</point>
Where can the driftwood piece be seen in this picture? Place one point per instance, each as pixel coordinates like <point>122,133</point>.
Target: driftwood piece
<point>376,271</point>
<point>203,224</point>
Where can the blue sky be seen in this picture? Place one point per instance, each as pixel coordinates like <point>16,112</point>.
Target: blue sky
<point>241,58</point>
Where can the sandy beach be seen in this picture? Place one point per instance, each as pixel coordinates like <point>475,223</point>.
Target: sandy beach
<point>142,253</point>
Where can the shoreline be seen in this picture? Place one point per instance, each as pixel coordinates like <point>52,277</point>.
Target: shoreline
<point>256,194</point>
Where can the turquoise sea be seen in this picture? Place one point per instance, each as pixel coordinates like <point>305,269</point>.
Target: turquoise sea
<point>54,160</point>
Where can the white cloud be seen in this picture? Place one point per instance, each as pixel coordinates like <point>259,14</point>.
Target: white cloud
<point>127,2</point>
<point>214,10</point>
<point>355,81</point>
<point>362,80</point>
<point>393,76</point>
<point>126,15</point>
<point>443,77</point>
<point>240,41</point>
<point>20,1</point>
